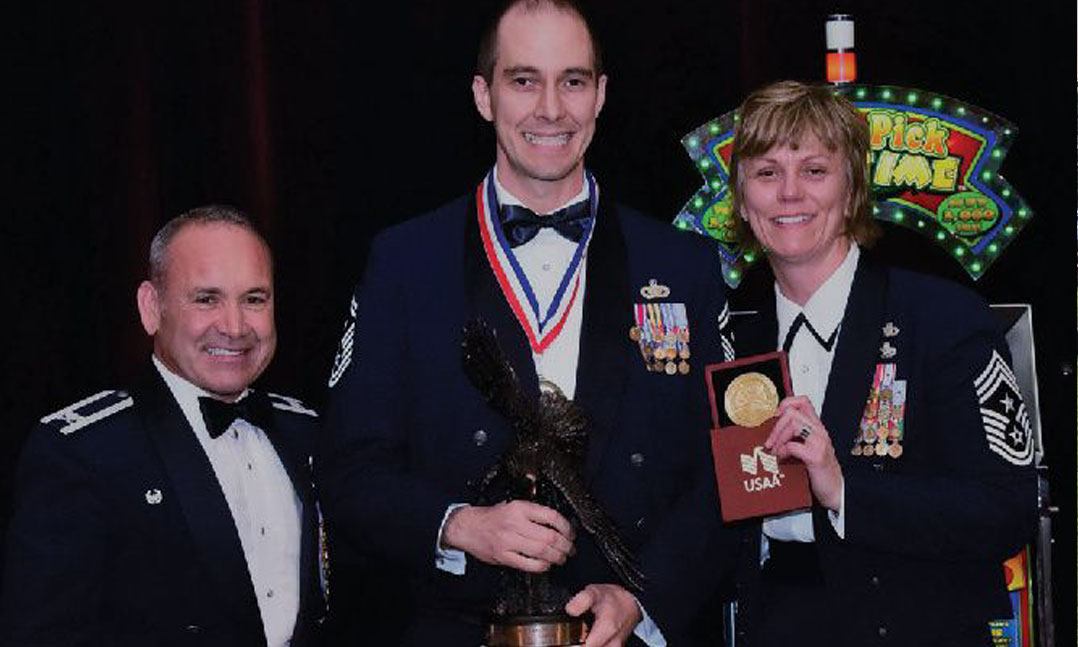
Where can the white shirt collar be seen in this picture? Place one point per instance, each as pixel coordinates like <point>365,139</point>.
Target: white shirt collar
<point>826,307</point>
<point>505,197</point>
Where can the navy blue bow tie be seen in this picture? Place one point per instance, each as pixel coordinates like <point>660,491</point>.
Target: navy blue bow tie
<point>219,415</point>
<point>521,224</point>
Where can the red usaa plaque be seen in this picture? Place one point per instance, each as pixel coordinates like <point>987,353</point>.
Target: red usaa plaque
<point>744,396</point>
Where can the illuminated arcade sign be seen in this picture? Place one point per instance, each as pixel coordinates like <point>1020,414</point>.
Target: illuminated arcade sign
<point>934,169</point>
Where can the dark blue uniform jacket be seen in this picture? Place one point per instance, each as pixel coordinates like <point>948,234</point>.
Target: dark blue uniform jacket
<point>926,533</point>
<point>122,535</point>
<point>407,434</point>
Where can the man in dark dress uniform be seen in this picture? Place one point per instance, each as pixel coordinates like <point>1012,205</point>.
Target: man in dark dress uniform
<point>180,511</point>
<point>408,435</point>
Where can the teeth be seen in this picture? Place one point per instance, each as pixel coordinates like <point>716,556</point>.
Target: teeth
<point>223,352</point>
<point>547,140</point>
<point>792,220</point>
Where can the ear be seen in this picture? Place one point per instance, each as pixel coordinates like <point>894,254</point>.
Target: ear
<point>481,93</point>
<point>149,307</point>
<point>600,96</point>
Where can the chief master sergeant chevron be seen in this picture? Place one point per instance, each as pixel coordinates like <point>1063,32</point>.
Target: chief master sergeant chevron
<point>571,294</point>
<point>181,511</point>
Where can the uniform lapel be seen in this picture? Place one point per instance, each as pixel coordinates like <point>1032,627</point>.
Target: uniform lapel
<point>205,509</point>
<point>605,351</point>
<point>856,356</point>
<point>486,301</point>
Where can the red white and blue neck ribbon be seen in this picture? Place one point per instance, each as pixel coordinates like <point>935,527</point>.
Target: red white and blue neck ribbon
<point>541,329</point>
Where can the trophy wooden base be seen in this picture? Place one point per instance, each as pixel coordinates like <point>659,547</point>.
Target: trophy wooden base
<point>536,631</point>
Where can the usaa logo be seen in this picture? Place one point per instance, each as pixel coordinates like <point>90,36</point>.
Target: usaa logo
<point>760,461</point>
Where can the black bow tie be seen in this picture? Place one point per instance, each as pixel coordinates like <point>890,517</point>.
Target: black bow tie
<point>800,320</point>
<point>219,415</point>
<point>521,224</point>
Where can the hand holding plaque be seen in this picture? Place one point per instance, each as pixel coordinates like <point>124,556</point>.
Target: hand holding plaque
<point>745,395</point>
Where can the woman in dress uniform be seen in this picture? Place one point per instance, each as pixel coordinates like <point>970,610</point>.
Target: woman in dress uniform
<point>906,413</point>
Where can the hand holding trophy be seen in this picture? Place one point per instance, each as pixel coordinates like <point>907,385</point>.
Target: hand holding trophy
<point>543,466</point>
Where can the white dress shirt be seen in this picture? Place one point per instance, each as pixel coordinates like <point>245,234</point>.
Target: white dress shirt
<point>264,508</point>
<point>810,369</point>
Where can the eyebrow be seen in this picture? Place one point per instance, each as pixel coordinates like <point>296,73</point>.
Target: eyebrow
<point>765,158</point>
<point>529,69</point>
<point>200,291</point>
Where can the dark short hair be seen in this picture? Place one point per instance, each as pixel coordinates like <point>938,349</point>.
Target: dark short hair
<point>207,215</point>
<point>488,42</point>
<point>780,114</point>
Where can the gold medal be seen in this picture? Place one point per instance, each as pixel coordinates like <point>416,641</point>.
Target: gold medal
<point>869,450</point>
<point>658,366</point>
<point>881,448</point>
<point>856,451</point>
<point>683,367</point>
<point>895,451</point>
<point>671,368</point>
<point>634,333</point>
<point>684,352</point>
<point>751,399</point>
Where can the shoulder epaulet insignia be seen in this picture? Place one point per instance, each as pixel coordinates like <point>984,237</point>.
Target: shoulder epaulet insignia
<point>88,411</point>
<point>286,403</point>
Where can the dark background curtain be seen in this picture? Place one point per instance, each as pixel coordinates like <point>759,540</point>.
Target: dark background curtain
<point>328,120</point>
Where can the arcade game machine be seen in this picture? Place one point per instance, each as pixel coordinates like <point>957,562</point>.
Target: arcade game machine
<point>935,170</point>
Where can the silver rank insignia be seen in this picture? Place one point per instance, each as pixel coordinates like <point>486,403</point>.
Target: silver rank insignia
<point>154,496</point>
<point>890,330</point>
<point>288,403</point>
<point>88,411</point>
<point>653,290</point>
<point>1006,420</point>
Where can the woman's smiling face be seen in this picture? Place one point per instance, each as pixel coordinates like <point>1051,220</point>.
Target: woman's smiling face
<point>795,199</point>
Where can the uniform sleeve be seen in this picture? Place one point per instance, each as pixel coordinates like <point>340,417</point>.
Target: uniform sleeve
<point>55,562</point>
<point>978,500</point>
<point>368,492</point>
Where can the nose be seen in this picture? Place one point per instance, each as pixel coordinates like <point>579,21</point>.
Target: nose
<point>550,103</point>
<point>790,189</point>
<point>232,321</point>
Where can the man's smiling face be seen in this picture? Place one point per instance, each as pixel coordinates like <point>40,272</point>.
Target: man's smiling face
<point>543,98</point>
<point>211,315</point>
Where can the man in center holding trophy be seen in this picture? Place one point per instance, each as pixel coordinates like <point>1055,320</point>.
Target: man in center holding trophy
<point>531,331</point>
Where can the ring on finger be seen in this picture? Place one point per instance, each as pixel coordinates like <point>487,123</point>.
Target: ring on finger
<point>804,433</point>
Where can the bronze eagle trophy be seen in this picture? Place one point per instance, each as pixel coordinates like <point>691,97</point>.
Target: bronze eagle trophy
<point>544,464</point>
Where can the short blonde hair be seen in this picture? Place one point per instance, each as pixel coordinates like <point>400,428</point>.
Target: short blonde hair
<point>781,114</point>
